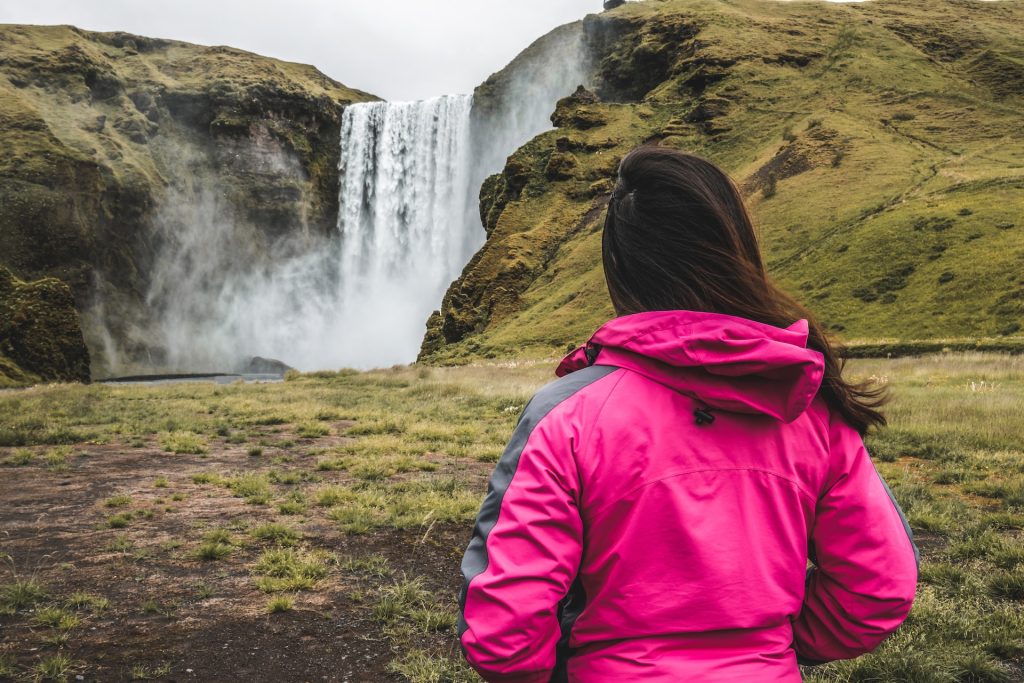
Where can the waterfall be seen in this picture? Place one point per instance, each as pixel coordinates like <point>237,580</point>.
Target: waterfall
<point>224,287</point>
<point>407,219</point>
<point>222,291</point>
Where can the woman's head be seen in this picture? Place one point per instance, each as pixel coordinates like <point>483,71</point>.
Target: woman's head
<point>678,236</point>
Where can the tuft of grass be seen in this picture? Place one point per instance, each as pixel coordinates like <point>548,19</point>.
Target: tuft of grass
<point>291,508</point>
<point>1009,490</point>
<point>290,477</point>
<point>121,544</point>
<point>254,488</point>
<point>216,544</point>
<point>83,600</point>
<point>356,520</point>
<point>429,620</point>
<point>143,672</point>
<point>981,667</point>
<point>1009,557</point>
<point>118,501</point>
<point>295,503</point>
<point>977,546</point>
<point>57,618</point>
<point>54,668</point>
<point>269,420</point>
<point>289,569</point>
<point>56,459</point>
<point>376,566</point>
<point>183,443</point>
<point>280,603</point>
<point>376,427</point>
<point>217,536</point>
<point>161,483</point>
<point>20,458</point>
<point>255,451</point>
<point>331,464</point>
<point>277,533</point>
<point>419,666</point>
<point>119,520</point>
<point>21,593</point>
<point>1007,585</point>
<point>311,430</point>
<point>213,551</point>
<point>400,599</point>
<point>151,606</point>
<point>329,496</point>
<point>950,579</point>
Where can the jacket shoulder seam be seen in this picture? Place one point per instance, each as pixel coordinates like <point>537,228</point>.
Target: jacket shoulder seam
<point>585,436</point>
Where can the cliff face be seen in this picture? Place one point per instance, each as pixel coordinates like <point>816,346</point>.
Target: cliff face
<point>101,131</point>
<point>40,334</point>
<point>875,142</point>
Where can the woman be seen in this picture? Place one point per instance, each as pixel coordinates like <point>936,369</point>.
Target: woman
<point>654,512</point>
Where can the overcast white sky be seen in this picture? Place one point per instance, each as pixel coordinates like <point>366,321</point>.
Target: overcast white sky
<point>397,49</point>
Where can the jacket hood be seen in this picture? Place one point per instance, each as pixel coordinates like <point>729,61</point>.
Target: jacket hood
<point>726,362</point>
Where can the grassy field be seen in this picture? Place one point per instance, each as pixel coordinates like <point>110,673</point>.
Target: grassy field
<point>313,528</point>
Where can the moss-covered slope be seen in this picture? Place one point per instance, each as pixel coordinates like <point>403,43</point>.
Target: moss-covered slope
<point>878,145</point>
<point>40,334</point>
<point>98,129</point>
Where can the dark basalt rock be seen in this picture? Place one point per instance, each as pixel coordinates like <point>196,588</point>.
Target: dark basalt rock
<point>265,366</point>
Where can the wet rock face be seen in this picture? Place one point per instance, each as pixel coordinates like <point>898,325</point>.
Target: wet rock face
<point>637,56</point>
<point>40,334</point>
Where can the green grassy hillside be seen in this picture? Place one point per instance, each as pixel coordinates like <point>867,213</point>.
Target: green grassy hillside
<point>878,145</point>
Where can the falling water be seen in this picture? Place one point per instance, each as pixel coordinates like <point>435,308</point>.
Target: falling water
<point>406,220</point>
<point>224,292</point>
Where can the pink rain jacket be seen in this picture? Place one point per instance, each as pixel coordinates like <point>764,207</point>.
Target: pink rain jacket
<point>653,515</point>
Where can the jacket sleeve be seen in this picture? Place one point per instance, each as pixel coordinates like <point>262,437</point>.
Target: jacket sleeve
<point>866,563</point>
<point>524,555</point>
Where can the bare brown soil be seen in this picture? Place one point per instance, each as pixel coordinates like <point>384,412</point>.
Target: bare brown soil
<point>206,620</point>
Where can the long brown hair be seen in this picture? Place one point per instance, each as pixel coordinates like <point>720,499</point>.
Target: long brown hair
<point>678,236</point>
